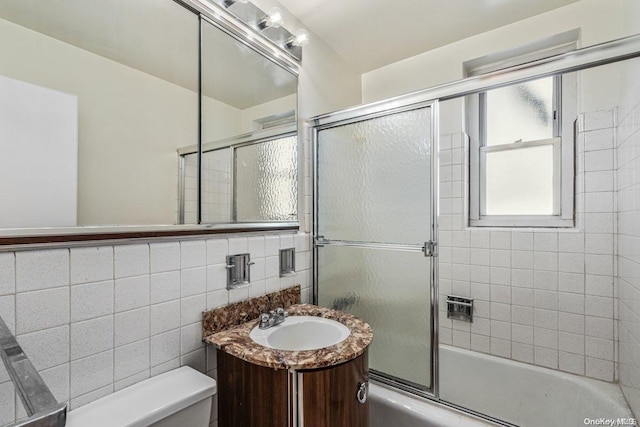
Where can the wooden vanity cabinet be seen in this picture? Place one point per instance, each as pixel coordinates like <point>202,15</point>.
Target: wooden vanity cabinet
<point>330,395</point>
<point>252,395</point>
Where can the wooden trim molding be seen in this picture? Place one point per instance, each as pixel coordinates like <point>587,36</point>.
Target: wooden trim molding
<point>82,237</point>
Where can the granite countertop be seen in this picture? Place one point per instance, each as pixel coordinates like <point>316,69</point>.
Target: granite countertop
<point>236,342</point>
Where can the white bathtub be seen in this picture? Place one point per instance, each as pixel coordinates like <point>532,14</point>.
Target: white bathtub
<point>525,395</point>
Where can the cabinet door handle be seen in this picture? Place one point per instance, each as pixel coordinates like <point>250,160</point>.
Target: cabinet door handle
<point>361,395</point>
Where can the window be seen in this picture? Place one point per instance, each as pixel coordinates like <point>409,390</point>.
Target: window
<point>521,153</point>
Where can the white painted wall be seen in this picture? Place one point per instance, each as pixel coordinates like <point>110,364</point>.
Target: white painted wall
<point>598,21</point>
<point>130,124</point>
<point>220,120</point>
<point>39,161</point>
<point>277,106</point>
<point>327,82</point>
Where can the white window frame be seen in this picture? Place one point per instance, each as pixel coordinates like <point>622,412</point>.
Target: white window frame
<point>565,113</point>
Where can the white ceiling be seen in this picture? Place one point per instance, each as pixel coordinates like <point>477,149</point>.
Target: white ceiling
<point>373,33</point>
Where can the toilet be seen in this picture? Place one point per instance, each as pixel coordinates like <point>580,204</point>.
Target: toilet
<point>178,398</point>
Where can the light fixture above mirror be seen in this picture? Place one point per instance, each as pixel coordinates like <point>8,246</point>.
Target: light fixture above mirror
<point>269,24</point>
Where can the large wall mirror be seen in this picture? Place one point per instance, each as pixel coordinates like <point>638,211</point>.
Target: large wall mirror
<point>103,106</point>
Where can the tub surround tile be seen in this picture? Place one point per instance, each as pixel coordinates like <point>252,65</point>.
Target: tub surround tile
<point>236,341</point>
<point>537,285</point>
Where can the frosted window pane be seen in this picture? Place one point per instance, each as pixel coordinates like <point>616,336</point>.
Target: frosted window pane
<point>390,291</point>
<point>216,186</point>
<point>266,181</point>
<point>523,111</point>
<point>520,181</point>
<point>374,179</point>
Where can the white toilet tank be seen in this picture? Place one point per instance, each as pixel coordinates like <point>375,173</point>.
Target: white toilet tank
<point>178,398</point>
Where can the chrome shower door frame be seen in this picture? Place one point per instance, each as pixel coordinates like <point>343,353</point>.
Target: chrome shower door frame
<point>359,114</point>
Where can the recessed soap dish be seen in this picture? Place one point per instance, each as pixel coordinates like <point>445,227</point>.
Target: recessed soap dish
<point>238,271</point>
<point>287,262</point>
<point>460,308</point>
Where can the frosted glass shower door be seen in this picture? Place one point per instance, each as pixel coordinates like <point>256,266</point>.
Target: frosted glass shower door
<point>373,217</point>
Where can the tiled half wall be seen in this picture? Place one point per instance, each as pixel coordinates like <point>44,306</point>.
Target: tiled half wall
<point>94,320</point>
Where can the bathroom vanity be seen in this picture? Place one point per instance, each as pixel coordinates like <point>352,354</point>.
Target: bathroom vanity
<point>262,386</point>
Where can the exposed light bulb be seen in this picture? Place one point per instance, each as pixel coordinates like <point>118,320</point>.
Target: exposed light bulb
<point>299,38</point>
<point>272,19</point>
<point>302,37</point>
<point>275,16</point>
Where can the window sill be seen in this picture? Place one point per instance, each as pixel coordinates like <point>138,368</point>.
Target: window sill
<point>522,222</point>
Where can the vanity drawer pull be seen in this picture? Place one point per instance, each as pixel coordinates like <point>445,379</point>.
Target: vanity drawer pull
<point>361,395</point>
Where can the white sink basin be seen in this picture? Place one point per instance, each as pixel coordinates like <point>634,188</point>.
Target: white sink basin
<point>299,333</point>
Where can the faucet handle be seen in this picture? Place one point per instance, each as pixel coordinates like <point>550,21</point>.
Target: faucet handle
<point>282,312</point>
<point>264,318</point>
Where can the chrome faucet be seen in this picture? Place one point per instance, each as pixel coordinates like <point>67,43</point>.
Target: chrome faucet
<point>273,318</point>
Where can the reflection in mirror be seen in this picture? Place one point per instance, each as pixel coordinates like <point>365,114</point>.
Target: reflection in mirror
<point>249,162</point>
<point>251,178</point>
<point>99,100</point>
<point>265,181</point>
<point>122,77</point>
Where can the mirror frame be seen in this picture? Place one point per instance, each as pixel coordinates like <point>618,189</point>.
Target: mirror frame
<point>16,238</point>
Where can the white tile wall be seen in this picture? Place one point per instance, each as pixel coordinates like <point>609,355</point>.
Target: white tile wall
<point>190,190</point>
<point>94,320</point>
<point>216,187</point>
<point>628,239</point>
<point>542,296</point>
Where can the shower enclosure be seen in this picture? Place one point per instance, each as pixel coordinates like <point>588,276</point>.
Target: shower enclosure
<point>376,240</point>
<point>375,232</point>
